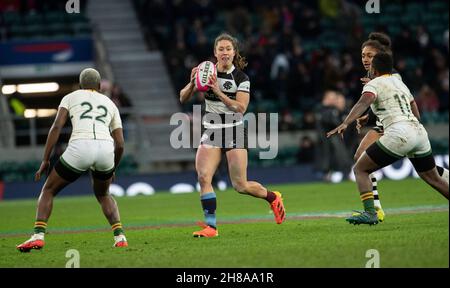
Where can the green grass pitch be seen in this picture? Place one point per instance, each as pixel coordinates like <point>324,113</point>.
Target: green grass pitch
<point>315,234</point>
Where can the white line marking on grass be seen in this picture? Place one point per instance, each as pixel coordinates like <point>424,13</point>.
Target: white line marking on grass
<point>234,220</point>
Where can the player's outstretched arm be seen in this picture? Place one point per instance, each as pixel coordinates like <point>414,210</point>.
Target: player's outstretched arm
<point>52,138</point>
<point>188,90</point>
<point>119,145</point>
<point>360,107</point>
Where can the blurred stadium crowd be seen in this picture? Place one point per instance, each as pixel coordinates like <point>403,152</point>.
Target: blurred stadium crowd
<point>297,50</point>
<point>41,19</point>
<point>304,57</point>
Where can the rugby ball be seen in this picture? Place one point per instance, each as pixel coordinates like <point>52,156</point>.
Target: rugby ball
<point>205,70</point>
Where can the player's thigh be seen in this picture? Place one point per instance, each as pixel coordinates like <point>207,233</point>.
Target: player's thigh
<point>69,170</point>
<point>371,137</point>
<point>54,183</point>
<point>425,167</point>
<point>421,155</point>
<point>399,140</point>
<point>207,160</point>
<point>423,161</point>
<point>237,164</point>
<point>103,168</point>
<point>375,157</point>
<point>101,186</point>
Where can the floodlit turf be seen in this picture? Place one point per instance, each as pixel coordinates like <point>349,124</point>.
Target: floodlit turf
<point>159,229</point>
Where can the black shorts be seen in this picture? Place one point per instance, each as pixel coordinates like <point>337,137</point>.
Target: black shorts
<point>67,172</point>
<point>382,158</point>
<point>70,174</point>
<point>378,129</point>
<point>225,138</point>
<point>423,163</point>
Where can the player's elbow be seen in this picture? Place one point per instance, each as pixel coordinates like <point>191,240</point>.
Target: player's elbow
<point>240,109</point>
<point>119,145</point>
<point>56,127</point>
<point>119,148</point>
<point>183,96</point>
<point>117,135</point>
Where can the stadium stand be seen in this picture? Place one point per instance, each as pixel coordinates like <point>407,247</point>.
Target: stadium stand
<point>46,24</point>
<point>313,38</point>
<point>296,51</point>
<point>311,41</point>
<point>143,76</point>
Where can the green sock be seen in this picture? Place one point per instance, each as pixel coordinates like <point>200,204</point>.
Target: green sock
<point>368,201</point>
<point>117,228</point>
<point>40,226</point>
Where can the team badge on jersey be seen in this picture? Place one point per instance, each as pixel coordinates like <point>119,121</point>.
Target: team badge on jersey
<point>227,85</point>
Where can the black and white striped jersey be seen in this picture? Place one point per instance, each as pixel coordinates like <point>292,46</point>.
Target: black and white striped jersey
<point>230,83</point>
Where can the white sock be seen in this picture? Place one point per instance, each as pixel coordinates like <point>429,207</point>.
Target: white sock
<point>376,199</point>
<point>37,236</point>
<point>445,175</point>
<point>120,238</point>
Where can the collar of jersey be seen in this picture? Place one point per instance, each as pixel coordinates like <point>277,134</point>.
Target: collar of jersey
<point>229,70</point>
<point>386,75</point>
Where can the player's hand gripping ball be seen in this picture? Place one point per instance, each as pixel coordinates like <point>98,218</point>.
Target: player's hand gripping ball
<point>205,70</point>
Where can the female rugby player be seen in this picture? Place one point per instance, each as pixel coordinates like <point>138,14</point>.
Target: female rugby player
<point>379,42</point>
<point>228,95</point>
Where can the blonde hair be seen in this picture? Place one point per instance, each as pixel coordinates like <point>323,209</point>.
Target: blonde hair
<point>238,60</point>
<point>90,79</point>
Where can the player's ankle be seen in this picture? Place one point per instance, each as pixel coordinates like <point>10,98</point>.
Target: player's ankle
<point>38,236</point>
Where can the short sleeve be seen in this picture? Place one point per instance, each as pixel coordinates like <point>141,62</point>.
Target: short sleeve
<point>65,102</point>
<point>243,82</point>
<point>410,96</point>
<point>244,86</point>
<point>370,88</point>
<point>116,121</point>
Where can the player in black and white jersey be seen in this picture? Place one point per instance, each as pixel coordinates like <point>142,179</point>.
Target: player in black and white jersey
<point>96,144</point>
<point>227,99</point>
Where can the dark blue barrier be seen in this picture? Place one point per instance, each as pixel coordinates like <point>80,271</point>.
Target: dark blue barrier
<point>160,182</point>
<point>184,182</point>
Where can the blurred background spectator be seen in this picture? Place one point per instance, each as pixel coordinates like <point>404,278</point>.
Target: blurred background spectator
<point>297,51</point>
<point>306,152</point>
<point>333,154</point>
<point>301,47</point>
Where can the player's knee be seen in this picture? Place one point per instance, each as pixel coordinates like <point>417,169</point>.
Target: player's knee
<point>50,188</point>
<point>48,192</point>
<point>204,178</point>
<point>356,169</point>
<point>430,177</point>
<point>356,156</point>
<point>359,170</point>
<point>240,186</point>
<point>100,196</point>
